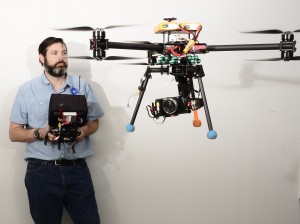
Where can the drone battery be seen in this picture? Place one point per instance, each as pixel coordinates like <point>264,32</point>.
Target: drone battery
<point>175,27</point>
<point>190,26</point>
<point>165,27</point>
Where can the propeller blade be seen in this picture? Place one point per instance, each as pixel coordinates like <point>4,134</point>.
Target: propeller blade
<point>272,31</point>
<point>107,58</point>
<point>138,63</point>
<point>267,59</point>
<point>296,58</point>
<point>88,28</point>
<point>119,58</point>
<point>79,28</point>
<point>117,26</point>
<point>81,57</point>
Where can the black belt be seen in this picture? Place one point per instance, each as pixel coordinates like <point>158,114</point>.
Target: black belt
<point>62,162</point>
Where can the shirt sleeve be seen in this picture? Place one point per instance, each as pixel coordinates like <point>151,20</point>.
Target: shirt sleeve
<point>19,113</point>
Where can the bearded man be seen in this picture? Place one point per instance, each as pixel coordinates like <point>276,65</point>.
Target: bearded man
<point>55,178</point>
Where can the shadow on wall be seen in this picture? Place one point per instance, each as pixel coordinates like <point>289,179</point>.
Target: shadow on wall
<point>248,76</point>
<point>107,142</point>
<point>17,165</point>
<point>17,162</point>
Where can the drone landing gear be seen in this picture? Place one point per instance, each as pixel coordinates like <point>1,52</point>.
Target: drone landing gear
<point>198,73</point>
<point>211,134</point>
<point>142,88</point>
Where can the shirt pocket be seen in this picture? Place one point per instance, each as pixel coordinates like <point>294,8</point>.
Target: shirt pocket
<point>38,112</point>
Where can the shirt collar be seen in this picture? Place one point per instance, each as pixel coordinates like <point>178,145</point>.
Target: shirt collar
<point>69,82</point>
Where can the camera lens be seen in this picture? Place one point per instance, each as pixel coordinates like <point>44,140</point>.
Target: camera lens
<point>170,105</point>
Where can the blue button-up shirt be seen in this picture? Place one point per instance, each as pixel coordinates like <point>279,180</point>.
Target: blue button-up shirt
<point>31,108</point>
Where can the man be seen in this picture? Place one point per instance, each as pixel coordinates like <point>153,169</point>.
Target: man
<point>55,178</point>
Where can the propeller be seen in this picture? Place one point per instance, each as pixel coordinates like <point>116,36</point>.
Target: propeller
<point>296,58</point>
<point>106,58</point>
<point>271,31</point>
<point>88,28</point>
<point>81,57</point>
<point>266,59</point>
<point>137,63</point>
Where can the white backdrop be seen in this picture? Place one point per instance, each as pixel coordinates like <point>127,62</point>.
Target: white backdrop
<point>169,173</point>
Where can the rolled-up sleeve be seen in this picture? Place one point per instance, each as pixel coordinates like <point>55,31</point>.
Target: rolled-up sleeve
<point>19,113</point>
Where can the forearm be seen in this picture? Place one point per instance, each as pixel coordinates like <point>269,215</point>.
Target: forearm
<point>90,128</point>
<point>17,133</point>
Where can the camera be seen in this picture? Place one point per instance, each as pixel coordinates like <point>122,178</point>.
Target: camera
<point>172,106</point>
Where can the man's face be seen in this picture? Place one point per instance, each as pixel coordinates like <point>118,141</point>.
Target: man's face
<point>55,62</point>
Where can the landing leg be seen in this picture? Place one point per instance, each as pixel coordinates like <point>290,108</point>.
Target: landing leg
<point>142,88</point>
<point>211,133</point>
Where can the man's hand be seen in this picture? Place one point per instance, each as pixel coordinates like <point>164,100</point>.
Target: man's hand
<point>89,128</point>
<point>81,136</point>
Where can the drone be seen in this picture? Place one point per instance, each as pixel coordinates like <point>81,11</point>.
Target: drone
<point>178,55</point>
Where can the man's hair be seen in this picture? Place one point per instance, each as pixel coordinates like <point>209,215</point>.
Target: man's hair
<point>47,43</point>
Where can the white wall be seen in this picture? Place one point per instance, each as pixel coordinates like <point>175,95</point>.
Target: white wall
<point>169,173</point>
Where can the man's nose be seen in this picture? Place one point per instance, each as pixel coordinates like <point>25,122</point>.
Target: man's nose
<point>61,57</point>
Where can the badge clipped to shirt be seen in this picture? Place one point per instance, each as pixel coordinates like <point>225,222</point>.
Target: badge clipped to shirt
<point>74,91</point>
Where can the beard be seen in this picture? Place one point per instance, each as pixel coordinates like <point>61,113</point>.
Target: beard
<point>56,70</point>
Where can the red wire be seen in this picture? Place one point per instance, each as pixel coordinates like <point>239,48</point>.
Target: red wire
<point>188,32</point>
<point>174,53</point>
<point>60,112</point>
<point>198,31</point>
<point>184,30</point>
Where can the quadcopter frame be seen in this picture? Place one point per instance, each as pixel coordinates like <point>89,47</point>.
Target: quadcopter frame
<point>179,58</point>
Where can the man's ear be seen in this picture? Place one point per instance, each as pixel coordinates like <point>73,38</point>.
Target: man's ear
<point>41,59</point>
